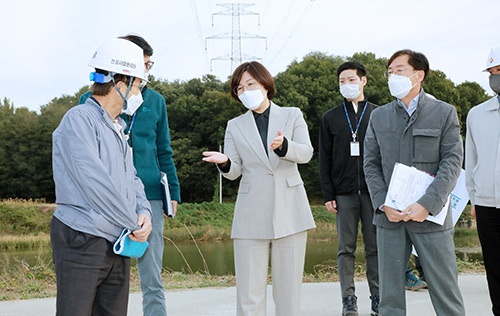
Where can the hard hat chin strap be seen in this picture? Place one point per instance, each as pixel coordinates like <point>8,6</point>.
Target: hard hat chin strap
<point>125,105</point>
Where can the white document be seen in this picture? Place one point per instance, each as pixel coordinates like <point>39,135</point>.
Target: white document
<point>167,201</point>
<point>459,197</point>
<point>408,184</point>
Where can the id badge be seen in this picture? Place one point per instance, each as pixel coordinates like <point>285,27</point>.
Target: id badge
<point>354,149</point>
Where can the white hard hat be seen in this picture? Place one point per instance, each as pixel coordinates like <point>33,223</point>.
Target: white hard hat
<point>493,58</point>
<point>120,56</point>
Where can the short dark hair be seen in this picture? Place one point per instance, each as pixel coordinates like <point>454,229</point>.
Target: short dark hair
<point>417,60</point>
<point>258,72</point>
<point>141,42</point>
<point>102,89</point>
<point>353,64</point>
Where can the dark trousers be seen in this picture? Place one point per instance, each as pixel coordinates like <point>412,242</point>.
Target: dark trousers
<point>352,209</point>
<point>488,229</point>
<point>91,279</point>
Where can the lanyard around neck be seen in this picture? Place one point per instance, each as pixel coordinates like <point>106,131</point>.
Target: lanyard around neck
<point>355,133</point>
<point>129,130</point>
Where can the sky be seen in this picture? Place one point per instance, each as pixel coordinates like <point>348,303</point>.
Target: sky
<point>46,45</point>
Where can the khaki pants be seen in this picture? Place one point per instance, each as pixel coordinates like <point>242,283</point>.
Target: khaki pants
<point>251,258</point>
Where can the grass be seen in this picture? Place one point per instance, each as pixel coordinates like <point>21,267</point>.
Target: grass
<point>26,224</point>
<point>21,281</point>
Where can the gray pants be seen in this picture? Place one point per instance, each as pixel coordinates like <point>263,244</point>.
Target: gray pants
<point>436,252</point>
<point>150,266</point>
<point>350,210</point>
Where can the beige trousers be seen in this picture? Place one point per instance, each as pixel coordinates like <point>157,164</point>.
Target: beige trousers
<point>251,259</point>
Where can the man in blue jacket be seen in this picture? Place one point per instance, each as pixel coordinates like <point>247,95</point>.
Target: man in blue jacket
<point>97,191</point>
<point>149,136</point>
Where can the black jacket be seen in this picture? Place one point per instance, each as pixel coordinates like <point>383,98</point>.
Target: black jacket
<point>340,172</point>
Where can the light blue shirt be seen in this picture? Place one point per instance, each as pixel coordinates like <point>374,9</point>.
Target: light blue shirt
<point>412,107</point>
<point>97,191</point>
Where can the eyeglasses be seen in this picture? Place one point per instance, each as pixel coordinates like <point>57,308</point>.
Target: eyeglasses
<point>252,85</point>
<point>398,72</point>
<point>149,65</point>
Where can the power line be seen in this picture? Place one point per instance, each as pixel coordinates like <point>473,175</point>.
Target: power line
<point>235,10</point>
<point>264,11</point>
<point>294,30</point>
<point>198,29</point>
<point>285,17</point>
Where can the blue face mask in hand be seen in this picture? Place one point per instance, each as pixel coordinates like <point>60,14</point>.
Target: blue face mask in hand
<point>124,246</point>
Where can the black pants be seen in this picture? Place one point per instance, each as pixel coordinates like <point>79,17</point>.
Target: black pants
<point>91,279</point>
<point>488,229</point>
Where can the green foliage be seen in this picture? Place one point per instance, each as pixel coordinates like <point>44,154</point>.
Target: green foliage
<point>469,94</point>
<point>23,217</point>
<point>18,154</point>
<point>322,215</point>
<point>31,220</point>
<point>25,154</point>
<point>203,214</point>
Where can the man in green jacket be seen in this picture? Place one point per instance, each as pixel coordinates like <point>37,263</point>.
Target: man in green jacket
<point>148,135</point>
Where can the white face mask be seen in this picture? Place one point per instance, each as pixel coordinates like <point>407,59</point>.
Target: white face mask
<point>400,86</point>
<point>133,103</point>
<point>251,99</point>
<point>350,91</point>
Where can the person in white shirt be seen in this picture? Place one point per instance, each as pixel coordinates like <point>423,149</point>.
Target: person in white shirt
<point>482,172</point>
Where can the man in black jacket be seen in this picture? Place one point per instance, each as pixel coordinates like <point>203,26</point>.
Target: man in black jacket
<point>343,182</point>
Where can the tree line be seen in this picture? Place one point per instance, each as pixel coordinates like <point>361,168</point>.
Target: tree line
<point>198,110</point>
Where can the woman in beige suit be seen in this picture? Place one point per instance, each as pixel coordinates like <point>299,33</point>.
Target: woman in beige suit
<point>264,146</point>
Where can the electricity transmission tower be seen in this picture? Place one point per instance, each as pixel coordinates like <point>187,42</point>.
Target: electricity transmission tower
<point>235,10</point>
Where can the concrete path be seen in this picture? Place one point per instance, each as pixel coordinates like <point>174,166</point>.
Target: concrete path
<point>318,299</point>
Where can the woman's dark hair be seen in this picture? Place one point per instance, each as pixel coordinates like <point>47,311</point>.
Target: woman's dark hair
<point>417,60</point>
<point>258,72</point>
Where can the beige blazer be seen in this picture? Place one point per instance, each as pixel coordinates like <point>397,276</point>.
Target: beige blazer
<point>272,201</point>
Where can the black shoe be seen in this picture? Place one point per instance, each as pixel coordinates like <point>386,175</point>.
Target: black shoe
<point>375,300</point>
<point>350,306</point>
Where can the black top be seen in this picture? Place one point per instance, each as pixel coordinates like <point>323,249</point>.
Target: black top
<point>340,172</point>
<point>262,121</point>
